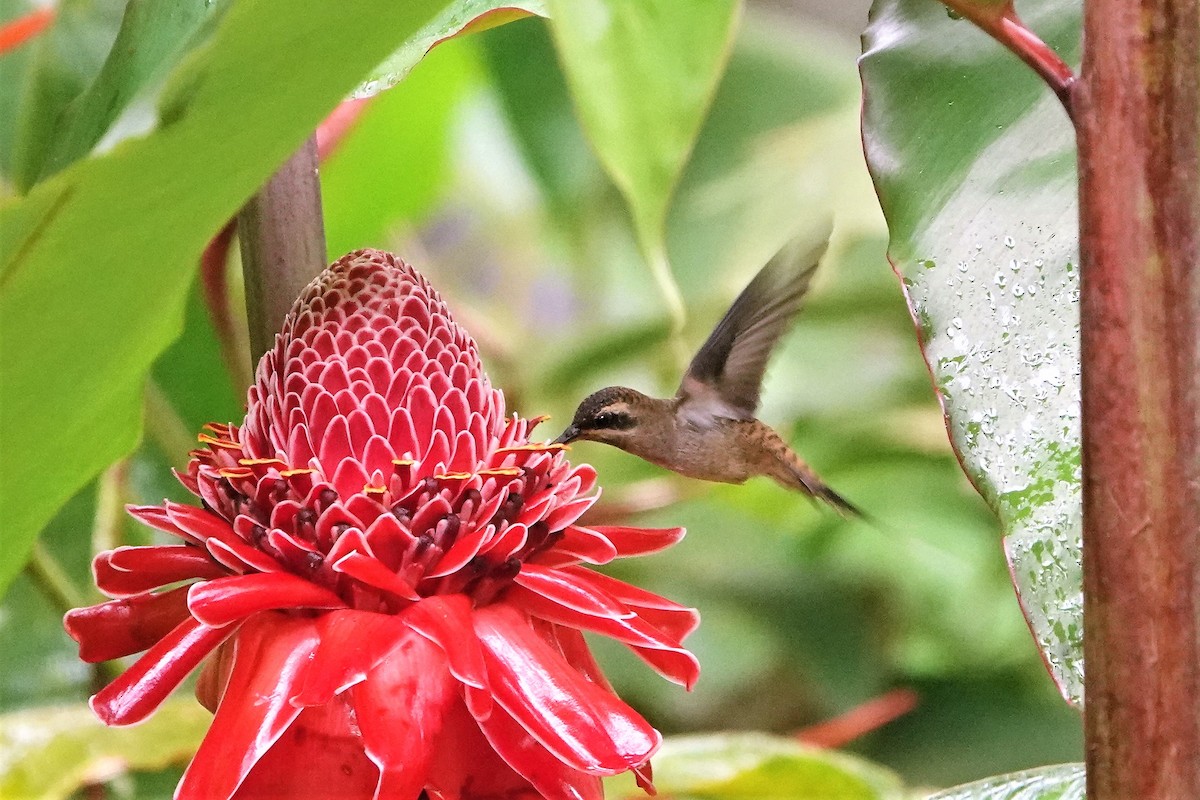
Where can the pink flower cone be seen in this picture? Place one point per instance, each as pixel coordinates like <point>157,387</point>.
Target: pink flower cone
<point>385,576</point>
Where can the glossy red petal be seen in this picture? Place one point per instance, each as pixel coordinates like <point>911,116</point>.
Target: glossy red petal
<point>139,690</point>
<point>562,587</point>
<point>445,620</point>
<point>372,572</point>
<point>553,779</point>
<point>399,710</point>
<point>674,620</point>
<point>582,724</point>
<point>319,757</point>
<point>270,655</point>
<point>666,655</point>
<point>226,600</point>
<point>350,645</point>
<point>122,627</point>
<point>579,543</point>
<point>640,541</point>
<point>128,571</point>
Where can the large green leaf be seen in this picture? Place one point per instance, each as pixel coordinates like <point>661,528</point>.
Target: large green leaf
<point>1058,782</point>
<point>642,74</point>
<point>62,62</point>
<point>973,160</point>
<point>49,753</point>
<point>454,19</point>
<point>733,766</point>
<point>97,260</point>
<point>152,35</point>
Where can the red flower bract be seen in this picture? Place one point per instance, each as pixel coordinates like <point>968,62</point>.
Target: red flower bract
<point>387,576</point>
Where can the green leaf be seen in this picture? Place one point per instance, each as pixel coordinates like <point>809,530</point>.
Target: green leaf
<point>62,62</point>
<point>96,261</point>
<point>1058,782</point>
<point>48,753</point>
<point>642,73</point>
<point>151,39</point>
<point>973,159</point>
<point>462,16</point>
<point>732,766</point>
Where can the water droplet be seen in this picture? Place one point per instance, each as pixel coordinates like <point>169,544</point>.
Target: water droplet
<point>1001,280</point>
<point>952,14</point>
<point>1009,242</point>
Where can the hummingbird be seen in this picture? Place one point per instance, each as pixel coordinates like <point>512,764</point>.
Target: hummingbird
<point>709,430</point>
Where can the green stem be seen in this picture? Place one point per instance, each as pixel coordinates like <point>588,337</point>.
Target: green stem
<point>110,509</point>
<point>655,254</point>
<point>52,580</point>
<point>165,427</point>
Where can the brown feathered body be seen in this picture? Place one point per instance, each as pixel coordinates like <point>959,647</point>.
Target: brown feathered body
<point>709,430</point>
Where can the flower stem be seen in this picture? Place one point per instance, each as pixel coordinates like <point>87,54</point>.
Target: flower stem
<point>1000,21</point>
<point>282,236</point>
<point>52,580</point>
<point>110,509</point>
<point>165,427</point>
<point>1139,181</point>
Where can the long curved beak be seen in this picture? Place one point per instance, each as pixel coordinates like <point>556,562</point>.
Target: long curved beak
<point>569,435</point>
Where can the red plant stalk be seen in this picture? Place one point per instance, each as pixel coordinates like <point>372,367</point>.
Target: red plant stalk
<point>1000,21</point>
<point>17,32</point>
<point>1138,115</point>
<point>385,578</point>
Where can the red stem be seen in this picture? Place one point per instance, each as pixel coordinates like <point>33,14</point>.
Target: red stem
<point>1003,25</point>
<point>1139,174</point>
<point>214,282</point>
<point>15,33</point>
<point>860,720</point>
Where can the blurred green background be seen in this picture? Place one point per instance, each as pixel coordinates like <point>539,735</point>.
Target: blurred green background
<point>475,170</point>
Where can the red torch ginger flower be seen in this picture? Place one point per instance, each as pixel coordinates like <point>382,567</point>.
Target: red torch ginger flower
<point>388,576</point>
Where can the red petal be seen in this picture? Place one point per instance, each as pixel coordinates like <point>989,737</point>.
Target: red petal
<point>186,522</point>
<point>400,709</point>
<point>319,757</point>
<point>567,513</point>
<point>122,627</point>
<point>579,543</point>
<point>351,644</point>
<point>581,723</point>
<point>640,541</point>
<point>674,620</point>
<point>665,654</point>
<point>271,653</point>
<point>372,572</point>
<point>559,586</point>
<point>239,557</point>
<point>128,571</point>
<point>445,620</point>
<point>139,690</point>
<point>226,600</point>
<point>553,779</point>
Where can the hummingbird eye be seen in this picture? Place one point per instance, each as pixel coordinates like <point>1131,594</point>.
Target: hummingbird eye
<point>605,419</point>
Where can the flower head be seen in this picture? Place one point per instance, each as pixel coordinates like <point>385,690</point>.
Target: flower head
<point>385,576</point>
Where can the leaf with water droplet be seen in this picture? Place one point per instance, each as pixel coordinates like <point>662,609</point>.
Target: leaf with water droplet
<point>1057,782</point>
<point>981,189</point>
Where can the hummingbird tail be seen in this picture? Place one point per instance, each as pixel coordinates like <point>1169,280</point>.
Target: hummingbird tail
<point>799,476</point>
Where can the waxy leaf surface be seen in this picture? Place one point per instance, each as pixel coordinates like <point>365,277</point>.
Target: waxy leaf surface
<point>733,766</point>
<point>974,163</point>
<point>1058,782</point>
